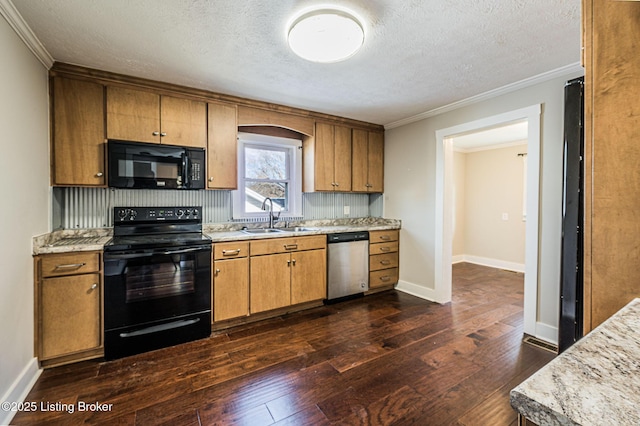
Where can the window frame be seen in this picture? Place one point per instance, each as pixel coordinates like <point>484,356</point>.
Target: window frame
<point>293,150</point>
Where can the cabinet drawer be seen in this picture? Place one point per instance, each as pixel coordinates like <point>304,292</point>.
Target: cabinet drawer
<point>382,248</point>
<point>383,261</point>
<point>383,277</point>
<point>383,236</point>
<point>69,263</point>
<point>284,245</point>
<point>230,250</point>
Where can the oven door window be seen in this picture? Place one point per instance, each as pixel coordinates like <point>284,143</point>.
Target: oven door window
<point>166,276</point>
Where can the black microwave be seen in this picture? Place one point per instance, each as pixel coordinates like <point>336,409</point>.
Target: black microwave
<point>150,166</point>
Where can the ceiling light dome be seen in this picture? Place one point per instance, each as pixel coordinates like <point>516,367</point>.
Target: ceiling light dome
<point>325,35</point>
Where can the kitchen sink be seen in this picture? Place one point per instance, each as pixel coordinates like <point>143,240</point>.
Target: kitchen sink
<point>299,229</point>
<point>261,230</point>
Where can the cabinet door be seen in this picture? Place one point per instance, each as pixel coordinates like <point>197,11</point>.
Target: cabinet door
<point>308,276</point>
<point>270,282</point>
<point>230,288</point>
<point>375,162</point>
<point>69,318</point>
<point>324,157</point>
<point>133,115</point>
<point>360,159</point>
<point>222,147</point>
<point>78,133</point>
<point>183,122</point>
<point>342,158</point>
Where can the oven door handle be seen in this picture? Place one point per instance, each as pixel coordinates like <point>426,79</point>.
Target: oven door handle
<point>154,253</point>
<point>161,327</point>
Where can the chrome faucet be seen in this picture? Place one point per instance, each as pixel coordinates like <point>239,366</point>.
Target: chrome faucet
<point>270,210</point>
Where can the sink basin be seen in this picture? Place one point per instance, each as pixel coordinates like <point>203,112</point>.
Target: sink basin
<point>261,230</point>
<point>299,229</point>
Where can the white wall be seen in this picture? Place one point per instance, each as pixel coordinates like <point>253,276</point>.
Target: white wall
<point>410,185</point>
<point>25,195</point>
<point>494,185</point>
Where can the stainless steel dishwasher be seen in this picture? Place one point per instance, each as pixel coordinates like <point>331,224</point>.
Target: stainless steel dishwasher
<point>348,264</point>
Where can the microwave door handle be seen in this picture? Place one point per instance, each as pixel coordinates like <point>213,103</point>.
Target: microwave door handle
<point>186,172</point>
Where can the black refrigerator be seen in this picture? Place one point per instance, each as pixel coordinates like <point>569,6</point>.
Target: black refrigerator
<point>571,286</point>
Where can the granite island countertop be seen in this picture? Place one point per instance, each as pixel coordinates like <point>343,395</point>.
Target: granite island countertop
<point>594,382</point>
<point>73,240</point>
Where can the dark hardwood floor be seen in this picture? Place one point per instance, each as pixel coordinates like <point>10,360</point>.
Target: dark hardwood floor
<point>386,359</point>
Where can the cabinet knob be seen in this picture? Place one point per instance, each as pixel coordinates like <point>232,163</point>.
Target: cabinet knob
<point>337,184</point>
<point>156,133</point>
<point>217,271</point>
<point>94,286</point>
<point>211,179</point>
<point>294,262</point>
<point>99,174</point>
<point>163,134</point>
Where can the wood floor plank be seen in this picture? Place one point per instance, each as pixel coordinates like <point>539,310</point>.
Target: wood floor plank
<point>388,358</point>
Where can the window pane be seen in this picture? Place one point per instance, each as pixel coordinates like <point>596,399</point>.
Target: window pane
<point>256,192</point>
<point>261,163</point>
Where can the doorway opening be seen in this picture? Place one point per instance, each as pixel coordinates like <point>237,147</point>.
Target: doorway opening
<point>444,204</point>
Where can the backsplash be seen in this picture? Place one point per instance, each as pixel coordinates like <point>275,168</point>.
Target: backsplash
<point>93,207</point>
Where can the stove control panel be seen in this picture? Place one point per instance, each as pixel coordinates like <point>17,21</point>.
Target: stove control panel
<point>146,214</point>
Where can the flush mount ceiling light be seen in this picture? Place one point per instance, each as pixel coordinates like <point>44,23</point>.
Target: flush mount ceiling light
<point>325,35</point>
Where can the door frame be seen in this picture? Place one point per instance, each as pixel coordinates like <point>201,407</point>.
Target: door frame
<point>444,205</point>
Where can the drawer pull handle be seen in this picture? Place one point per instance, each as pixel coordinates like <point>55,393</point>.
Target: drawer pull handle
<point>385,248</point>
<point>385,237</point>
<point>70,266</point>
<point>230,252</point>
<point>385,262</point>
<point>290,246</point>
<point>385,278</point>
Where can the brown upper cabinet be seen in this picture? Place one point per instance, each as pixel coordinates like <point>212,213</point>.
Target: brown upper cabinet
<point>332,166</point>
<point>222,146</point>
<point>142,116</point>
<point>77,133</point>
<point>368,161</point>
<point>91,106</point>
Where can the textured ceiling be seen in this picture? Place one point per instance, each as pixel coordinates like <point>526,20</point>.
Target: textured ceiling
<point>418,54</point>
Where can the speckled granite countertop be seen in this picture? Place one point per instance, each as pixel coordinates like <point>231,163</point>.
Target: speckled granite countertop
<point>62,241</point>
<point>594,382</point>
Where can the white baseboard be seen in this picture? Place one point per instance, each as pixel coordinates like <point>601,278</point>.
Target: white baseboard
<point>493,263</point>
<point>418,291</point>
<point>20,389</point>
<point>547,333</point>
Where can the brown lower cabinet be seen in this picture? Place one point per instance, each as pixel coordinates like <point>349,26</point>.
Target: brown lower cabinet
<point>287,271</point>
<point>68,307</point>
<point>230,280</point>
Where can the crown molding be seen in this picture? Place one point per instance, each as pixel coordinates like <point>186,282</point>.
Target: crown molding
<point>522,84</point>
<point>13,17</point>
